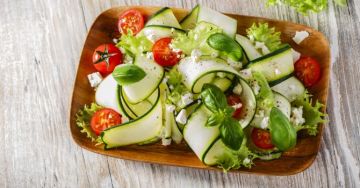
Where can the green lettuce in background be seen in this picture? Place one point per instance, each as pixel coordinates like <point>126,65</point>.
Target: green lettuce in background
<point>304,6</point>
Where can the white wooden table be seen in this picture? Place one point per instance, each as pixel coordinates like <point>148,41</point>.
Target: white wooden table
<point>40,45</point>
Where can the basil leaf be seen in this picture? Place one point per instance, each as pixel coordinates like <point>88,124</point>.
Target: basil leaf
<point>215,119</point>
<point>213,98</point>
<point>127,74</point>
<point>283,134</point>
<point>231,133</point>
<point>226,45</point>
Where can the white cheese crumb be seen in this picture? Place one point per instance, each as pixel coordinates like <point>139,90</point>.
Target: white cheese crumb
<point>255,86</point>
<point>115,40</point>
<point>150,55</point>
<point>171,87</point>
<point>195,54</point>
<point>221,74</point>
<point>297,116</point>
<point>246,161</point>
<point>165,141</point>
<point>260,114</point>
<point>300,36</point>
<point>187,98</point>
<point>277,72</point>
<point>237,89</point>
<point>170,108</point>
<point>246,73</point>
<point>296,55</point>
<point>181,117</point>
<point>261,45</point>
<point>251,38</point>
<point>237,106</point>
<point>264,123</point>
<point>95,79</point>
<point>166,79</point>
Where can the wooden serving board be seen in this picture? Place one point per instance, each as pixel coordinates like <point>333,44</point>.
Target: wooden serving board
<point>292,162</point>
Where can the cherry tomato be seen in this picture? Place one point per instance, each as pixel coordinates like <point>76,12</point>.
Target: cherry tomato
<point>103,119</point>
<point>131,19</point>
<point>163,54</point>
<point>261,138</point>
<point>308,71</point>
<point>234,100</point>
<point>106,57</point>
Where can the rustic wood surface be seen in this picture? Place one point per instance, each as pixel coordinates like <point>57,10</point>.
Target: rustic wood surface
<point>41,42</point>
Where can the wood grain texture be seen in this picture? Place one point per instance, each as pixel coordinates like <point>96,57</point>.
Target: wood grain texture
<point>40,47</point>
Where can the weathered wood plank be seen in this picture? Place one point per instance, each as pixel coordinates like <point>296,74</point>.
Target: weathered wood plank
<point>41,43</point>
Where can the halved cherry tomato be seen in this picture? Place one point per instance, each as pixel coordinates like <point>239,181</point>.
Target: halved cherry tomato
<point>163,54</point>
<point>103,119</point>
<point>131,19</point>
<point>261,138</point>
<point>234,100</point>
<point>106,57</point>
<point>308,71</point>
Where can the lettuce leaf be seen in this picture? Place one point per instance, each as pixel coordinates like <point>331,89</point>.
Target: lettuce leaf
<point>311,113</point>
<point>83,118</point>
<point>176,86</point>
<point>196,39</point>
<point>134,44</point>
<point>302,6</point>
<point>231,159</point>
<point>262,33</point>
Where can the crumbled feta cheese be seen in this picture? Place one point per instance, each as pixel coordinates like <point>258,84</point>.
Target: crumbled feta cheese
<point>122,50</point>
<point>237,89</point>
<point>171,87</point>
<point>150,55</point>
<point>251,38</point>
<point>181,117</point>
<point>94,79</point>
<point>261,45</point>
<point>297,116</point>
<point>165,141</point>
<point>221,74</point>
<point>255,86</point>
<point>166,79</point>
<point>246,161</point>
<point>187,98</point>
<point>237,106</point>
<point>296,55</point>
<point>277,72</point>
<point>300,36</point>
<point>170,108</point>
<point>195,54</point>
<point>264,123</point>
<point>176,50</point>
<point>246,73</point>
<point>115,40</point>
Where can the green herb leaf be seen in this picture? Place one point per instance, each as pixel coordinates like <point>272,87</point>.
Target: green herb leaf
<point>215,119</point>
<point>231,133</point>
<point>283,134</point>
<point>303,6</point>
<point>226,45</point>
<point>127,74</point>
<point>213,98</point>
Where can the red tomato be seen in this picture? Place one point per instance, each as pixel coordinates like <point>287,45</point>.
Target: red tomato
<point>233,100</point>
<point>261,138</point>
<point>163,54</point>
<point>103,119</point>
<point>106,57</point>
<point>308,71</point>
<point>131,19</point>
